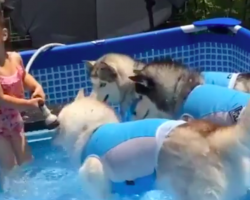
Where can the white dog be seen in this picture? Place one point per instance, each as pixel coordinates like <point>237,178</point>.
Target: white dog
<point>198,159</point>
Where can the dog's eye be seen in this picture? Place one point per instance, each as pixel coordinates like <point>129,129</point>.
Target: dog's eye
<point>103,84</point>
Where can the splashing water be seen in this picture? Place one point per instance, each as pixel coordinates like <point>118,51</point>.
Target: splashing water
<point>46,184</point>
<point>51,177</point>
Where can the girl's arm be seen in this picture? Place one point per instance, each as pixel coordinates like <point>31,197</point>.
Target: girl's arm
<point>13,102</point>
<point>29,81</point>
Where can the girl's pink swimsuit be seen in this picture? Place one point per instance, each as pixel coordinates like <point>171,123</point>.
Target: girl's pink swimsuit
<point>11,122</point>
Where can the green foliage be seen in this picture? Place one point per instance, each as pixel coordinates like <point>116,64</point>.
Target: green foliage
<point>204,9</point>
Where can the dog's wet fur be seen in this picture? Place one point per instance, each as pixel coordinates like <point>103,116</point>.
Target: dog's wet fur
<point>198,160</point>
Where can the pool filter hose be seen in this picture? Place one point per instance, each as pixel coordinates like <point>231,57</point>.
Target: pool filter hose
<point>50,119</point>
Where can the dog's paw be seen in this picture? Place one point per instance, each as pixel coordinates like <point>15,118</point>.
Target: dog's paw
<point>94,179</point>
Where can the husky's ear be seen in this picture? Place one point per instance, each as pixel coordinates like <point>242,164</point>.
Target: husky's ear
<point>80,95</point>
<point>90,64</point>
<point>93,95</point>
<point>138,66</point>
<point>107,72</point>
<point>187,117</point>
<point>139,79</point>
<point>143,85</point>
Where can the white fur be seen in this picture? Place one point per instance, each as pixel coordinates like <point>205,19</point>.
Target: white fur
<point>110,89</point>
<point>77,121</point>
<point>94,179</point>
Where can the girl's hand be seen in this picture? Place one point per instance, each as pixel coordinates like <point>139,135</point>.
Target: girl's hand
<point>34,102</point>
<point>38,93</point>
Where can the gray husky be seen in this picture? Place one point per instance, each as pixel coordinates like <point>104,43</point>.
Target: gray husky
<point>112,156</point>
<point>110,79</point>
<point>111,83</point>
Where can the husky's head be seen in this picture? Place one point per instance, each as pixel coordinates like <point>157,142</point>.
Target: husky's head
<point>146,109</point>
<point>165,84</point>
<point>79,119</point>
<point>109,76</point>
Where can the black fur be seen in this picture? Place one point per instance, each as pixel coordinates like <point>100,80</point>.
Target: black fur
<point>166,83</point>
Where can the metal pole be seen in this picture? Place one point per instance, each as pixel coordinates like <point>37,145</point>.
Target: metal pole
<point>149,7</point>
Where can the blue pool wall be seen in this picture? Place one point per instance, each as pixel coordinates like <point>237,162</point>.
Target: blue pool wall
<point>62,71</point>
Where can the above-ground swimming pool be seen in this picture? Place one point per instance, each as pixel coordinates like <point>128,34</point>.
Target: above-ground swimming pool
<point>213,45</point>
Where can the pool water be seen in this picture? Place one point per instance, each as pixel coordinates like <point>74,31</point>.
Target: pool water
<point>49,177</point>
<point>52,177</point>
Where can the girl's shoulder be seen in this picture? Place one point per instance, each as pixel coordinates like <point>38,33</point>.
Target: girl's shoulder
<point>16,59</point>
<point>14,55</point>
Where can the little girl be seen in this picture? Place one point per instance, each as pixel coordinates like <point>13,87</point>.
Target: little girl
<point>13,78</point>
